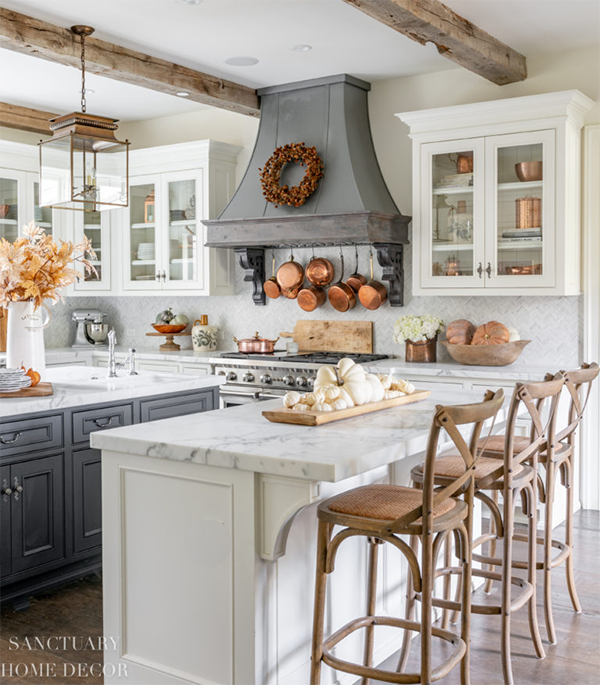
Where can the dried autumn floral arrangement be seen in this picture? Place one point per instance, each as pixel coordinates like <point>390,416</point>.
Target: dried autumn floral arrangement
<point>36,268</point>
<point>270,175</point>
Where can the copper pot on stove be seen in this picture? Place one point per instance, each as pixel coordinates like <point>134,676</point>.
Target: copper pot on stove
<point>255,345</point>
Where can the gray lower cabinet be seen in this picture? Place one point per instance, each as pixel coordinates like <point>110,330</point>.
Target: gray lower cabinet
<point>50,495</point>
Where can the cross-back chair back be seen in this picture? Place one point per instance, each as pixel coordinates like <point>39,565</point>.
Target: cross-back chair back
<point>579,384</point>
<point>447,420</point>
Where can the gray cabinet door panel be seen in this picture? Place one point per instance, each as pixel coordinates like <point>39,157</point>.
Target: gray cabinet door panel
<point>87,422</point>
<point>27,435</point>
<point>87,500</point>
<point>37,512</point>
<point>179,405</point>
<point>5,541</point>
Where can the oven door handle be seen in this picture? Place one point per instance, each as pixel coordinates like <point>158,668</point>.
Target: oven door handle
<point>270,396</point>
<point>239,393</point>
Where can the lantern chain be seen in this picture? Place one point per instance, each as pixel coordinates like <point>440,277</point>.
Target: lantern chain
<point>83,102</point>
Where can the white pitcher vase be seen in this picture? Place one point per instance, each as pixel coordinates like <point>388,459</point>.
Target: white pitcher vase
<point>25,336</point>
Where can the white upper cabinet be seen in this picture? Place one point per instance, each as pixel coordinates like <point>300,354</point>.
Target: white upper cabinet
<point>496,196</point>
<point>162,234</point>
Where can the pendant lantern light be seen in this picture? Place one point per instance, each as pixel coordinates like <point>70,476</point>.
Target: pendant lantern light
<point>83,166</point>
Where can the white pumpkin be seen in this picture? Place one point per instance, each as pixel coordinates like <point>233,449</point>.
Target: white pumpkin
<point>376,387</point>
<point>301,407</point>
<point>331,392</point>
<point>291,398</point>
<point>392,394</point>
<point>385,380</point>
<point>337,405</point>
<point>322,406</point>
<point>310,398</point>
<point>513,334</point>
<point>404,386</point>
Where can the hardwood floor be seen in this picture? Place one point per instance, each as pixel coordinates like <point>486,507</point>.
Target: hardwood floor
<point>76,611</point>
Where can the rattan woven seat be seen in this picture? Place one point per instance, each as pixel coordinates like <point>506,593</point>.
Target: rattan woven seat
<point>495,444</point>
<point>385,502</point>
<point>453,466</point>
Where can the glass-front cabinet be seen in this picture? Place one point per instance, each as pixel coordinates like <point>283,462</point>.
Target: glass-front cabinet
<point>496,196</point>
<point>164,252</point>
<point>12,203</point>
<point>96,227</point>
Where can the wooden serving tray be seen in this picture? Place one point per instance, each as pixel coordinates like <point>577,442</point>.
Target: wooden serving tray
<point>40,390</point>
<point>317,418</point>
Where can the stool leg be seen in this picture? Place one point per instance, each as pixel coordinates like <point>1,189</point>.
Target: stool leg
<point>532,572</point>
<point>550,485</point>
<point>506,584</point>
<point>465,610</point>
<point>371,602</point>
<point>427,582</point>
<point>569,537</point>
<point>459,580</point>
<point>447,580</point>
<point>319,610</point>
<point>409,612</point>
<point>489,583</point>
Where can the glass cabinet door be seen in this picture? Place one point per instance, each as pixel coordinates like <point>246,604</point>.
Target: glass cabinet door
<point>95,226</point>
<point>520,218</point>
<point>42,216</point>
<point>143,256</point>
<point>182,247</point>
<point>452,239</point>
<point>12,214</point>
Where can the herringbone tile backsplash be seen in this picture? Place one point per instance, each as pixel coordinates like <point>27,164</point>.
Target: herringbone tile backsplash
<point>553,324</point>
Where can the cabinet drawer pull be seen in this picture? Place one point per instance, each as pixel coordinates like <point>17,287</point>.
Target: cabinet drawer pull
<point>106,424</point>
<point>480,270</point>
<point>10,442</point>
<point>489,270</point>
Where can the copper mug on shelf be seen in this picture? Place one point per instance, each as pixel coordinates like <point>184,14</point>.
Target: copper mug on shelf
<point>529,212</point>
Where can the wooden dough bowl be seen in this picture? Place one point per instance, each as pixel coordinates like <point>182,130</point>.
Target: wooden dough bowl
<point>486,355</point>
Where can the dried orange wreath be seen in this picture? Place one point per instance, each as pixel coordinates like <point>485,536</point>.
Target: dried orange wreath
<point>270,175</point>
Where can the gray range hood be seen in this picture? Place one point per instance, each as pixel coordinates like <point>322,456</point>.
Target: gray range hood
<point>351,204</point>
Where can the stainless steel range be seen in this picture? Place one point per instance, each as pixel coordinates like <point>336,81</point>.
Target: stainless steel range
<point>259,377</point>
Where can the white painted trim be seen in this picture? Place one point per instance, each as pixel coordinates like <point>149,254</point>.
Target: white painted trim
<point>590,434</point>
<point>570,103</point>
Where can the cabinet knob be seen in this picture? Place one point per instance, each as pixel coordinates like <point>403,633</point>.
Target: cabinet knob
<point>157,277</point>
<point>489,270</point>
<point>19,488</point>
<point>480,270</point>
<point>7,491</point>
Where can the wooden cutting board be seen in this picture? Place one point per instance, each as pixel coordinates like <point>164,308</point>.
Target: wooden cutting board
<point>3,328</point>
<point>40,390</point>
<point>318,418</point>
<point>333,336</point>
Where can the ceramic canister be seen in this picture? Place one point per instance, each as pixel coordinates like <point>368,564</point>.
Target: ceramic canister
<point>204,337</point>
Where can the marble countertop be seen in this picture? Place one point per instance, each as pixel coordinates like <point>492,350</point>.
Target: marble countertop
<point>519,371</point>
<point>241,438</point>
<point>78,386</point>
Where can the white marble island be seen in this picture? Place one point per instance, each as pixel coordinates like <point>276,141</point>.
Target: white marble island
<point>209,539</point>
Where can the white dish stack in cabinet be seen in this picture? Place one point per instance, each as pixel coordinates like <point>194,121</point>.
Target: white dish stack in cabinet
<point>477,228</point>
<point>172,188</point>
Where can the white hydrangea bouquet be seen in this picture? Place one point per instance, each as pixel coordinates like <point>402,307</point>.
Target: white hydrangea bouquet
<point>417,328</point>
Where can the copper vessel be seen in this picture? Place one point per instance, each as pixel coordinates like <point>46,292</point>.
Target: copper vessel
<point>255,345</point>
<point>464,163</point>
<point>312,297</point>
<point>290,275</point>
<point>320,271</point>
<point>529,212</point>
<point>271,287</point>
<point>290,293</point>
<point>420,352</point>
<point>529,171</point>
<point>340,294</point>
<point>373,294</point>
<point>356,280</point>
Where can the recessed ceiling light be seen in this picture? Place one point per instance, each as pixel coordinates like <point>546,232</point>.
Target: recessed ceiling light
<point>241,61</point>
<point>182,94</point>
<point>301,48</point>
<point>189,2</point>
<point>89,91</point>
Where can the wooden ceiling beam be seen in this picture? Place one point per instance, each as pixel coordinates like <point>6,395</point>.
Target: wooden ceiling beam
<point>30,36</point>
<point>429,21</point>
<point>25,118</point>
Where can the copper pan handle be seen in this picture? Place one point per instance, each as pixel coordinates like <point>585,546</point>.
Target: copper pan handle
<point>235,340</point>
<point>285,334</point>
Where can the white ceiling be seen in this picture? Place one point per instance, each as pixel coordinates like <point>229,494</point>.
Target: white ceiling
<point>205,35</point>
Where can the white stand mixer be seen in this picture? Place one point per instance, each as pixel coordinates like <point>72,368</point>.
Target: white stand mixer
<point>91,328</point>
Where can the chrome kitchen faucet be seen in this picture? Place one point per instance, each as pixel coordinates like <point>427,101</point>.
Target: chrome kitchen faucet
<point>113,364</point>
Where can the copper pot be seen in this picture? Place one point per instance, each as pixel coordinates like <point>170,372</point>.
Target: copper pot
<point>421,352</point>
<point>529,212</point>
<point>255,345</point>
<point>356,280</point>
<point>312,297</point>
<point>271,287</point>
<point>290,293</point>
<point>290,275</point>
<point>529,171</point>
<point>464,163</point>
<point>320,271</point>
<point>341,295</point>
<point>373,294</point>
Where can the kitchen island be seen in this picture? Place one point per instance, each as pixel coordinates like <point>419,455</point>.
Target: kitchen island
<point>50,501</point>
<point>210,534</point>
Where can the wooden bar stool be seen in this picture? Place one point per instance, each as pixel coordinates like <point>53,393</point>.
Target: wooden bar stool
<point>560,461</point>
<point>383,512</point>
<point>512,473</point>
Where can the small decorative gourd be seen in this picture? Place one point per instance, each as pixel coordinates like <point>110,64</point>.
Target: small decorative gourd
<point>460,332</point>
<point>491,333</point>
<point>291,399</point>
